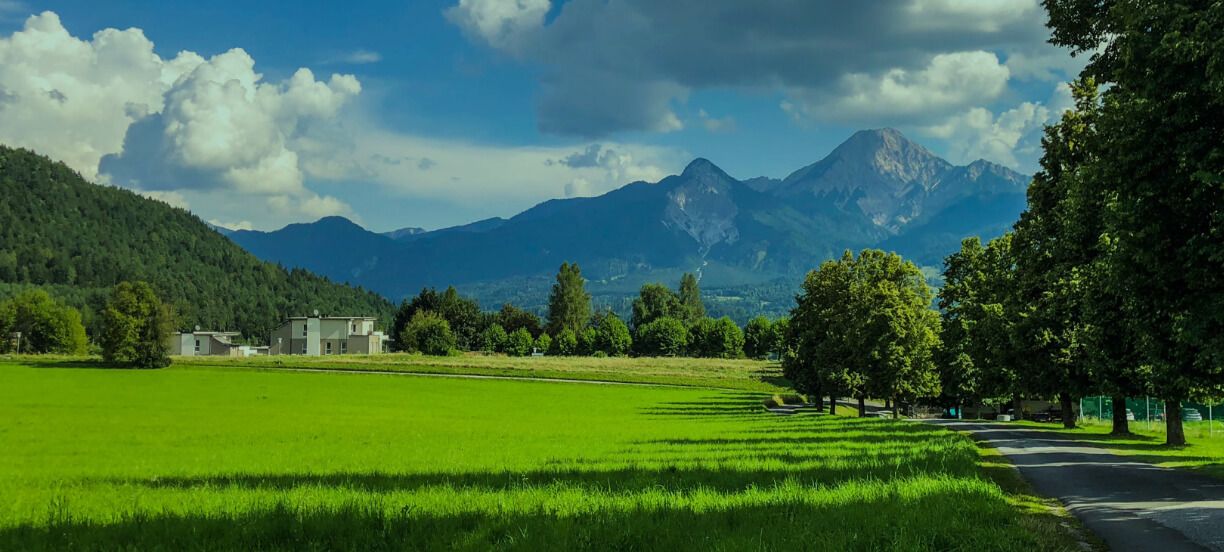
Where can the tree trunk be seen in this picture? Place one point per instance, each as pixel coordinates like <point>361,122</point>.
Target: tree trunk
<point>1121,426</point>
<point>1175,435</point>
<point>896,411</point>
<point>862,407</point>
<point>887,404</point>
<point>1068,411</point>
<point>832,404</point>
<point>1017,408</point>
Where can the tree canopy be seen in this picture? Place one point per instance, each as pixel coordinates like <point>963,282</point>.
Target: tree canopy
<point>136,326</point>
<point>863,326</point>
<point>44,325</point>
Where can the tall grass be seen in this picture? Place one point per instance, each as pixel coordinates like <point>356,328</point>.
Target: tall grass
<point>740,374</point>
<point>239,459</point>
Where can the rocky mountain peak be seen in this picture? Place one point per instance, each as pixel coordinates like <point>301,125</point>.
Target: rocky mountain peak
<point>701,205</point>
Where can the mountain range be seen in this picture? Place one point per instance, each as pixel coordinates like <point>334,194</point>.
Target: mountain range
<point>877,189</point>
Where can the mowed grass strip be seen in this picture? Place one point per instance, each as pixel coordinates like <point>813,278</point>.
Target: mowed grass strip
<point>740,374</point>
<point>186,458</point>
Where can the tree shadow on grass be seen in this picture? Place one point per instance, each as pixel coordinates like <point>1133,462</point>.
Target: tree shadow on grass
<point>925,515</point>
<point>81,363</point>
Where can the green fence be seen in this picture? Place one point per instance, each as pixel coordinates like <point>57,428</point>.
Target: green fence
<point>1146,409</point>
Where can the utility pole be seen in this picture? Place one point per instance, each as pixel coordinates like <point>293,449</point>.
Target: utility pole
<point>18,342</point>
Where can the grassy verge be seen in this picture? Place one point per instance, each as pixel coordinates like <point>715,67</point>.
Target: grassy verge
<point>737,374</point>
<point>1204,451</point>
<point>246,459</point>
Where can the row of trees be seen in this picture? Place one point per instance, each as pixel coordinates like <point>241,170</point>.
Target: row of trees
<point>664,323</point>
<point>135,325</point>
<point>863,327</point>
<point>1113,281</point>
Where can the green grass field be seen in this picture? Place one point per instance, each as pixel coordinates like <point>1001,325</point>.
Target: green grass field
<point>741,374</point>
<point>194,457</point>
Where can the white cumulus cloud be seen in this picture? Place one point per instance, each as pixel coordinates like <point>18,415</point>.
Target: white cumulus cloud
<point>73,99</point>
<point>950,82</point>
<point>117,112</point>
<point>1011,138</point>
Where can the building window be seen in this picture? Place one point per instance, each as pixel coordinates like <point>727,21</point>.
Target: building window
<point>303,348</point>
<point>303,330</point>
<point>197,349</point>
<point>354,328</point>
<point>344,347</point>
<point>328,348</point>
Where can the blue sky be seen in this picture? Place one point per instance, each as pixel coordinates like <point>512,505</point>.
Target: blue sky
<point>434,113</point>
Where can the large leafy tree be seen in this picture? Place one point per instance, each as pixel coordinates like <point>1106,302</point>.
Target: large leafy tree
<point>978,358</point>
<point>759,337</point>
<point>513,318</point>
<point>716,338</point>
<point>662,337</point>
<point>1160,135</point>
<point>822,352</point>
<point>427,333</point>
<point>864,326</point>
<point>1052,245</point>
<point>135,327</point>
<point>45,325</point>
<point>656,301</point>
<point>462,315</point>
<point>898,332</point>
<point>611,335</point>
<point>569,306</point>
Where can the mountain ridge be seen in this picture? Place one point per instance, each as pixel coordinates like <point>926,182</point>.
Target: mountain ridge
<point>876,189</point>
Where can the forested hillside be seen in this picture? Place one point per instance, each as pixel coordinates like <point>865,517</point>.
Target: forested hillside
<point>78,239</point>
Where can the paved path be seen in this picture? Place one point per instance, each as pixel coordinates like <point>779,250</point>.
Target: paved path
<point>1131,505</point>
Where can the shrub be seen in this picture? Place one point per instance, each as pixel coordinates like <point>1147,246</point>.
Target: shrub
<point>587,341</point>
<point>428,333</point>
<point>544,343</point>
<point>663,337</point>
<point>719,338</point>
<point>136,326</point>
<point>520,343</point>
<point>566,343</point>
<point>493,339</point>
<point>758,337</point>
<point>612,335</point>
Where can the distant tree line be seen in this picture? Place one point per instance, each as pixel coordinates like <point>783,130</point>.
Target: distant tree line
<point>134,326</point>
<point>663,323</point>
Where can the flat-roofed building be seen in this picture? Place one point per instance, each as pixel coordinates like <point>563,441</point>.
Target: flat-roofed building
<point>200,343</point>
<point>328,335</point>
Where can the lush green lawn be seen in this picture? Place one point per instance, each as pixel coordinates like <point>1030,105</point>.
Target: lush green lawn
<point>209,458</point>
<point>741,374</point>
<point>1203,452</point>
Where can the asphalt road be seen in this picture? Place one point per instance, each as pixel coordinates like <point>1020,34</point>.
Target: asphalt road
<point>1131,505</point>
